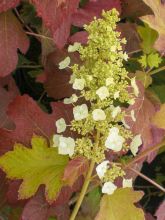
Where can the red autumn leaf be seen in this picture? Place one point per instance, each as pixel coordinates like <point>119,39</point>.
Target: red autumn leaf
<point>12,38</point>
<point>75,168</point>
<point>38,208</point>
<point>7,4</point>
<point>29,119</point>
<point>12,193</point>
<point>56,16</point>
<point>160,214</point>
<point>134,8</point>
<point>144,109</point>
<point>57,80</point>
<point>128,30</point>
<point>6,96</point>
<point>93,8</point>
<point>80,37</point>
<point>67,191</point>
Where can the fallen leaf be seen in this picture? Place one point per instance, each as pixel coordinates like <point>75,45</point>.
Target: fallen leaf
<point>156,22</point>
<point>40,161</point>
<point>159,119</point>
<point>7,4</point>
<point>120,205</point>
<point>75,168</point>
<point>12,38</point>
<point>93,8</point>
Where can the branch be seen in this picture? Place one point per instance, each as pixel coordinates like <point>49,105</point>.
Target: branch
<point>148,179</point>
<point>144,154</point>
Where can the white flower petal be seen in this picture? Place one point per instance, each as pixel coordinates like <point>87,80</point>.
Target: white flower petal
<point>125,56</point>
<point>133,115</point>
<point>127,183</point>
<point>64,63</point>
<point>66,146</point>
<point>116,95</point>
<point>70,100</point>
<point>79,84</point>
<point>102,168</point>
<point>109,81</point>
<point>109,188</point>
<point>74,47</point>
<point>61,125</point>
<point>114,141</point>
<point>116,111</point>
<point>56,138</point>
<point>80,112</point>
<point>125,124</point>
<point>135,87</point>
<point>98,115</point>
<point>102,92</point>
<point>136,142</point>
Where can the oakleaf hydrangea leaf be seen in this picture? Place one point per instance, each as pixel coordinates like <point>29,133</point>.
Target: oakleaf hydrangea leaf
<point>148,36</point>
<point>36,166</point>
<point>154,60</point>
<point>120,205</point>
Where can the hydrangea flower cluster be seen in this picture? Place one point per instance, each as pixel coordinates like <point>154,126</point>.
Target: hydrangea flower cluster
<point>101,90</point>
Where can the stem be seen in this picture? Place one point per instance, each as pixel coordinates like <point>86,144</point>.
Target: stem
<point>157,70</point>
<point>30,66</point>
<point>39,35</point>
<point>144,154</point>
<point>83,191</point>
<point>148,179</point>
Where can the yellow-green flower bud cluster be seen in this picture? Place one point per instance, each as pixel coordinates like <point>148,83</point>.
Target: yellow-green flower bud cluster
<point>112,173</point>
<point>103,83</point>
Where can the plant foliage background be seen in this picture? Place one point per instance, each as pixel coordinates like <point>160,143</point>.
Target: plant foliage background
<point>34,36</point>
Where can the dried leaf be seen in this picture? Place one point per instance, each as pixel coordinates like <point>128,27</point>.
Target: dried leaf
<point>120,205</point>
<point>12,38</point>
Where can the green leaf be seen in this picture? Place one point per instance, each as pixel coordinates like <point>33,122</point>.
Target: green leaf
<point>145,78</point>
<point>37,165</point>
<point>154,60</point>
<point>143,60</point>
<point>120,206</point>
<point>148,36</point>
<point>160,91</point>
